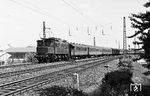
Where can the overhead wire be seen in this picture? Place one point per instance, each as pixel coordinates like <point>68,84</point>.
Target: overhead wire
<point>39,11</point>
<point>44,12</point>
<point>78,10</point>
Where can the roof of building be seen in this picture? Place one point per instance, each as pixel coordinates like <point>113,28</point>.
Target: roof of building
<point>4,56</point>
<point>21,49</point>
<point>2,52</point>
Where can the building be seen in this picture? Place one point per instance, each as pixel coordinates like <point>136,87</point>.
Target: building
<point>19,54</point>
<point>3,57</point>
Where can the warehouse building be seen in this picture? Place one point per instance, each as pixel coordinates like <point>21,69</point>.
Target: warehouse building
<point>19,54</point>
<point>3,57</point>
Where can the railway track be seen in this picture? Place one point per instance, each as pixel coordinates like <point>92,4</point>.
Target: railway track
<point>19,87</point>
<point>28,64</point>
<point>30,70</point>
<point>36,69</point>
<point>16,65</point>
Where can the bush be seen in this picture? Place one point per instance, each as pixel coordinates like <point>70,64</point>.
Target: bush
<point>114,84</point>
<point>125,64</point>
<point>30,57</point>
<point>118,77</point>
<point>60,91</point>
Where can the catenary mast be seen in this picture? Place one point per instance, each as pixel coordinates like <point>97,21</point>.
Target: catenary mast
<point>124,37</point>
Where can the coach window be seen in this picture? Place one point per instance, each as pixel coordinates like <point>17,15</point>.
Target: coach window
<point>62,45</point>
<point>90,49</point>
<point>56,44</point>
<point>77,48</point>
<point>82,49</point>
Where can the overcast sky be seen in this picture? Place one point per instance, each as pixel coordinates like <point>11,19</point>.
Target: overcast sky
<point>21,21</point>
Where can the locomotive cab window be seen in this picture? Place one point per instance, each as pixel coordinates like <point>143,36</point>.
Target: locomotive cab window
<point>48,43</point>
<point>51,44</point>
<point>40,43</point>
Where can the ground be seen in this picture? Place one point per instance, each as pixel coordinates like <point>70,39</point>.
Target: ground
<point>138,76</point>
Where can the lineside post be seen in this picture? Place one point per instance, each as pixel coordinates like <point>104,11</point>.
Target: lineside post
<point>94,41</point>
<point>76,81</point>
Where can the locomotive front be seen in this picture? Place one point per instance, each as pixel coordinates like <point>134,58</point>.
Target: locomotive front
<point>44,48</point>
<point>52,49</point>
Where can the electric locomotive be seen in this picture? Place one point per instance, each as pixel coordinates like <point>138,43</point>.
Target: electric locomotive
<point>52,49</point>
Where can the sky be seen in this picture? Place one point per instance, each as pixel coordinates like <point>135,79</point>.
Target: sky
<point>21,21</point>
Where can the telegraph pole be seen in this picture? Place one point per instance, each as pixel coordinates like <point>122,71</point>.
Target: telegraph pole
<point>44,34</point>
<point>119,45</point>
<point>88,30</point>
<point>124,37</point>
<point>94,41</point>
<point>44,28</point>
<point>69,32</point>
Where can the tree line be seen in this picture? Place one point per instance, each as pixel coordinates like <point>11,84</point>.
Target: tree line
<point>141,22</point>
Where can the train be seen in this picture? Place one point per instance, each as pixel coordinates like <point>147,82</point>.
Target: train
<point>56,49</point>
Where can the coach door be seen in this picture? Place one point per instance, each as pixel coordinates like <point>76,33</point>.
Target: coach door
<point>71,50</point>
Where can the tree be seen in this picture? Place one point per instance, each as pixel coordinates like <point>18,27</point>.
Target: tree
<point>30,57</point>
<point>141,22</point>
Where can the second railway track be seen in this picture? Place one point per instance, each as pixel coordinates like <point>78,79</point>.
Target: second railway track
<point>35,69</point>
<point>33,64</point>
